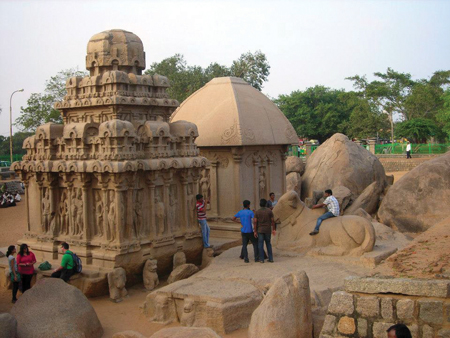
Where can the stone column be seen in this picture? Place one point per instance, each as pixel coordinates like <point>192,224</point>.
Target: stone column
<point>150,223</point>
<point>26,183</point>
<point>255,183</point>
<point>184,210</point>
<point>167,177</point>
<point>213,177</point>
<point>237,160</point>
<point>269,176</point>
<point>372,142</point>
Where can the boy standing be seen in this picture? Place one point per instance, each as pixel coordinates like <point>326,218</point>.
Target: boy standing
<point>264,226</point>
<point>245,217</point>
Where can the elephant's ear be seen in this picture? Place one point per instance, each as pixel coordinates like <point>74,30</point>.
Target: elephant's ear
<point>293,202</point>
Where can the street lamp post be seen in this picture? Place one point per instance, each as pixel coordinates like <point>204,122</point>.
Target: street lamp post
<point>10,126</point>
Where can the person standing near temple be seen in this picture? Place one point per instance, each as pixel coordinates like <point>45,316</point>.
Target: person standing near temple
<point>245,218</point>
<point>201,217</point>
<point>264,227</point>
<point>271,203</point>
<point>25,261</point>
<point>408,150</point>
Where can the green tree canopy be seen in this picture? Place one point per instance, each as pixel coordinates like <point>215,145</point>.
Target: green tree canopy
<point>417,129</point>
<point>39,109</point>
<point>185,79</point>
<point>443,115</point>
<point>18,139</point>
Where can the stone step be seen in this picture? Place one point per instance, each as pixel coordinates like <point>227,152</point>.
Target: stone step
<point>225,230</point>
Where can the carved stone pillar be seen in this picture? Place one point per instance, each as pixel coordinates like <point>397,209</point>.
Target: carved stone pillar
<point>255,183</point>
<point>88,226</point>
<point>269,176</point>
<point>237,159</point>
<point>213,176</point>
<point>151,222</point>
<point>184,200</point>
<point>167,177</point>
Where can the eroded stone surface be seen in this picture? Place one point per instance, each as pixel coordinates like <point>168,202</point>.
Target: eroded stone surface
<point>8,325</point>
<point>294,182</point>
<point>186,332</point>
<point>368,306</point>
<point>341,303</point>
<point>346,325</point>
<point>179,259</point>
<point>431,311</point>
<point>116,282</point>
<point>405,309</point>
<point>150,275</point>
<point>285,310</point>
<point>294,164</point>
<point>182,272</point>
<point>128,334</point>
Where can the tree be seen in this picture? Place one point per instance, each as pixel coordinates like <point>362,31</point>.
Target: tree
<point>185,79</point>
<point>18,139</point>
<point>316,113</point>
<point>417,129</point>
<point>443,115</point>
<point>39,108</point>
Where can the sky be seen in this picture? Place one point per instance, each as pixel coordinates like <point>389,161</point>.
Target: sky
<point>307,43</point>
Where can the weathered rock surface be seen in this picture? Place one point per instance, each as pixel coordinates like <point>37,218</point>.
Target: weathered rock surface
<point>294,182</point>
<point>420,198</point>
<point>343,195</point>
<point>179,259</point>
<point>186,332</point>
<point>53,308</point>
<point>207,257</point>
<point>368,200</point>
<point>150,275</point>
<point>8,325</point>
<point>339,161</point>
<point>182,272</point>
<point>294,164</point>
<point>128,334</point>
<point>285,310</point>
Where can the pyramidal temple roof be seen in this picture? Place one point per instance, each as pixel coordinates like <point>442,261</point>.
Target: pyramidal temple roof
<point>230,112</point>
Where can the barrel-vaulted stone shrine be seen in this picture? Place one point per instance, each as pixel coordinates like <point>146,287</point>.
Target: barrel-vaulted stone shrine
<point>117,180</point>
<point>245,137</point>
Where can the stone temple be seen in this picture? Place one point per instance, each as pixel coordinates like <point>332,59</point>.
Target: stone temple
<point>244,136</point>
<point>116,180</point>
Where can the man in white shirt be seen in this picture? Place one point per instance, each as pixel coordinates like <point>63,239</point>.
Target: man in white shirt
<point>333,210</point>
<point>408,150</point>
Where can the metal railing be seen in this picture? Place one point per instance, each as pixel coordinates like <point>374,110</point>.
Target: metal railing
<point>400,148</point>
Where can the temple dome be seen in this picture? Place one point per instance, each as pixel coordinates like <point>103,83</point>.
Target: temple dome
<point>115,49</point>
<point>230,112</point>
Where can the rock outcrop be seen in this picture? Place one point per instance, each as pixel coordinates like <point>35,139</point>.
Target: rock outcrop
<point>294,182</point>
<point>341,162</point>
<point>53,308</point>
<point>368,200</point>
<point>8,326</point>
<point>420,199</point>
<point>128,334</point>
<point>285,311</point>
<point>182,272</point>
<point>294,164</point>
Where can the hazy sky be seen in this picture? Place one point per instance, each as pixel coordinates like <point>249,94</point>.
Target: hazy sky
<point>307,43</point>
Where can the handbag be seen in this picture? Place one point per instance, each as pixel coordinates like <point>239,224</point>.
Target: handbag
<point>45,266</point>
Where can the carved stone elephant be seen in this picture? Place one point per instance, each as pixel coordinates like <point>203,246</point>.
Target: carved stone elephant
<point>342,235</point>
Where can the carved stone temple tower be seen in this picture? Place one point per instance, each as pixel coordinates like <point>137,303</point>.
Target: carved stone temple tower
<point>117,181</point>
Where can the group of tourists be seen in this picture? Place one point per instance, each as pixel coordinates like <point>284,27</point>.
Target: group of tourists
<point>21,267</point>
<point>9,200</point>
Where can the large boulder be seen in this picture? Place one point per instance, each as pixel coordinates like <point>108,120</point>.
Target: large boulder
<point>128,334</point>
<point>285,311</point>
<point>339,161</point>
<point>368,200</point>
<point>294,182</point>
<point>182,272</point>
<point>420,199</point>
<point>186,332</point>
<point>53,308</point>
<point>294,164</point>
<point>8,325</point>
<point>344,196</point>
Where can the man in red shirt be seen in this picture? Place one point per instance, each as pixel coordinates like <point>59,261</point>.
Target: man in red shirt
<point>201,217</point>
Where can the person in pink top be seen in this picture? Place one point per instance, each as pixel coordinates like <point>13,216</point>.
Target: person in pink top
<point>25,262</point>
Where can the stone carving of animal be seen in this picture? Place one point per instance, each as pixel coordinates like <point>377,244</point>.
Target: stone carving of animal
<point>342,235</point>
<point>116,281</point>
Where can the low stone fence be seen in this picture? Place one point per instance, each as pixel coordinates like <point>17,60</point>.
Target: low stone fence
<point>401,164</point>
<point>369,306</point>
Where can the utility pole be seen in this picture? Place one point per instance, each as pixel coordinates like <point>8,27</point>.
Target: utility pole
<point>10,126</point>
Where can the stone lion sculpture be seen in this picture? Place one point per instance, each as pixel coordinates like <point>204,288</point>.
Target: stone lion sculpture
<point>150,275</point>
<point>116,281</point>
<point>343,235</point>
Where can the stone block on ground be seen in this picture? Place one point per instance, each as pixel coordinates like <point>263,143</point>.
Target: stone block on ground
<point>179,259</point>
<point>68,312</point>
<point>285,310</point>
<point>8,325</point>
<point>186,332</point>
<point>182,272</point>
<point>341,303</point>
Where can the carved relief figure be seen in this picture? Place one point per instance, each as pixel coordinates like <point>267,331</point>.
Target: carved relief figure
<point>112,218</point>
<point>64,214</point>
<point>160,215</point>
<point>205,186</point>
<point>74,212</point>
<point>98,212</point>
<point>173,202</point>
<point>116,282</point>
<point>165,312</point>
<point>262,183</point>
<point>137,215</point>
<point>188,316</point>
<point>46,211</point>
<point>149,275</point>
<point>191,206</point>
<point>79,217</point>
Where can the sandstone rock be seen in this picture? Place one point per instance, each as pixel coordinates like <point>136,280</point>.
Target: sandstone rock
<point>128,334</point>
<point>2,254</point>
<point>53,308</point>
<point>179,259</point>
<point>149,274</point>
<point>8,325</point>
<point>347,325</point>
<point>294,164</point>
<point>341,303</point>
<point>379,329</point>
<point>294,182</point>
<point>368,200</point>
<point>116,281</point>
<point>368,306</point>
<point>431,311</point>
<point>285,311</point>
<point>186,332</point>
<point>343,195</point>
<point>362,213</point>
<point>405,309</point>
<point>416,202</point>
<point>207,257</point>
<point>339,161</point>
<point>182,272</point>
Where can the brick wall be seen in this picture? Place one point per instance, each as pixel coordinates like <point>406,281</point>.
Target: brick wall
<point>369,306</point>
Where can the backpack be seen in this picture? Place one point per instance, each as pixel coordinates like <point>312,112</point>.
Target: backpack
<point>77,264</point>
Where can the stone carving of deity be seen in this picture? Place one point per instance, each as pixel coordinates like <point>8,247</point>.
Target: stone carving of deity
<point>112,218</point>
<point>98,211</point>
<point>262,184</point>
<point>205,186</point>
<point>173,202</point>
<point>188,316</point>
<point>79,216</point>
<point>46,212</point>
<point>137,215</point>
<point>160,215</point>
<point>64,214</point>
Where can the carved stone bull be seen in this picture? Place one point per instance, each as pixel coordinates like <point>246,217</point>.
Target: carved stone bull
<point>343,235</point>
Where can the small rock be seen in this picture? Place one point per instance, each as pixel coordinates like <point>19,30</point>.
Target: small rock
<point>182,272</point>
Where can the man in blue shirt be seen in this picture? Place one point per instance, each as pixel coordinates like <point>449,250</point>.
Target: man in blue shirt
<point>245,217</point>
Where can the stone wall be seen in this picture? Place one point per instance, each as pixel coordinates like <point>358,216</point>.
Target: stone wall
<point>369,306</point>
<point>402,164</point>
